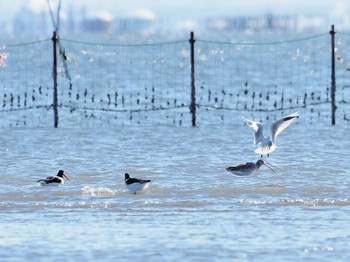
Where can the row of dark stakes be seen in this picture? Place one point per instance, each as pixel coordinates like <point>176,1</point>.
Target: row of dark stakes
<point>11,100</point>
<point>245,99</point>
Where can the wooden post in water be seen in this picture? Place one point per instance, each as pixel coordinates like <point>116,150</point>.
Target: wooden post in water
<point>54,76</point>
<point>333,87</point>
<point>193,87</point>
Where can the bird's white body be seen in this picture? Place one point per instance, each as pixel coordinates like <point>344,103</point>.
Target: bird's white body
<point>135,184</point>
<point>266,145</point>
<point>135,187</point>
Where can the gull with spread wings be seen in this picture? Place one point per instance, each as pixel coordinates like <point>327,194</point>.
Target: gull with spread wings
<point>266,145</point>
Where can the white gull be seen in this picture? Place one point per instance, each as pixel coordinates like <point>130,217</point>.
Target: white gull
<point>266,145</point>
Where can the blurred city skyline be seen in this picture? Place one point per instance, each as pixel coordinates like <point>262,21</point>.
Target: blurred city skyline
<point>184,9</point>
<point>32,16</point>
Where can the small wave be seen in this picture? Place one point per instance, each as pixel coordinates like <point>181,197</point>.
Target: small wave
<point>74,205</point>
<point>299,202</point>
<point>38,205</point>
<point>185,203</point>
<point>126,206</point>
<point>4,204</point>
<point>224,191</point>
<point>315,189</point>
<point>99,191</point>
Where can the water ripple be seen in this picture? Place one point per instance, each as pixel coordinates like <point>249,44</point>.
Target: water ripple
<point>298,202</point>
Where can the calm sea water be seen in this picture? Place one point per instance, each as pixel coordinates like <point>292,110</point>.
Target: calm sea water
<point>193,209</point>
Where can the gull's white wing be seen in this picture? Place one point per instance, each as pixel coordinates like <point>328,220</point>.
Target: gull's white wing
<point>258,130</point>
<point>282,124</point>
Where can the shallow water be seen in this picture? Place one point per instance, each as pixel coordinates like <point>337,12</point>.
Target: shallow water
<point>193,209</point>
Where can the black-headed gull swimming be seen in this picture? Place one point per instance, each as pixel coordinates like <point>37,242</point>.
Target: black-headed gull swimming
<point>245,169</point>
<point>135,184</point>
<point>54,180</point>
<point>268,144</point>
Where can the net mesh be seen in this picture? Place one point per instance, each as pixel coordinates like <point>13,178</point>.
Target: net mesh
<point>150,84</point>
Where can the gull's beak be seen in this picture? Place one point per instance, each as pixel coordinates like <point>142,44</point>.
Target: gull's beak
<point>272,167</point>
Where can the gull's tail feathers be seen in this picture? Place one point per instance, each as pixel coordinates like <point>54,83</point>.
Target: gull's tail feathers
<point>264,150</point>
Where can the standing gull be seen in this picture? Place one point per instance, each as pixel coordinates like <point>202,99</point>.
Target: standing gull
<point>266,145</point>
<point>245,169</point>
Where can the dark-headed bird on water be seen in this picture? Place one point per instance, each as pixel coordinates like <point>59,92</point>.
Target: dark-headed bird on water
<point>54,180</point>
<point>135,184</point>
<point>245,169</point>
<point>266,145</point>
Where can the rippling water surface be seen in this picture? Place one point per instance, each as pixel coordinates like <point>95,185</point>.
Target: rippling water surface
<point>193,209</point>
